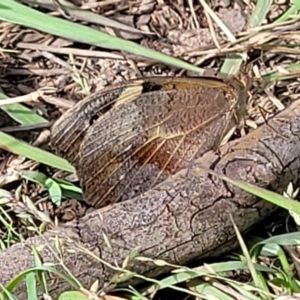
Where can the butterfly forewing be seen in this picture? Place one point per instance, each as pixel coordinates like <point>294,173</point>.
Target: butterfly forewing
<point>138,143</point>
<point>69,131</point>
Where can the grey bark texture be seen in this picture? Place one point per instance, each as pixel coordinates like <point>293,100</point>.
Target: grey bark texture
<point>182,219</point>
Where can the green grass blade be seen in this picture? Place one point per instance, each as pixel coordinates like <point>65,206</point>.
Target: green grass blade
<point>259,13</point>
<point>258,281</point>
<point>180,277</point>
<point>290,13</point>
<point>294,70</point>
<point>270,196</point>
<point>31,286</point>
<point>287,239</point>
<point>16,280</point>
<point>35,176</point>
<point>41,275</point>
<point>74,295</point>
<point>231,65</point>
<point>7,293</point>
<point>28,17</point>
<point>15,146</point>
<point>85,15</point>
<point>21,113</point>
<point>209,291</point>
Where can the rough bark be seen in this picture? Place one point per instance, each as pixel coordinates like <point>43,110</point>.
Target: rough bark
<point>184,218</point>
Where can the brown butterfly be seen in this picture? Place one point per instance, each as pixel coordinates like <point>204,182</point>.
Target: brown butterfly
<point>124,139</point>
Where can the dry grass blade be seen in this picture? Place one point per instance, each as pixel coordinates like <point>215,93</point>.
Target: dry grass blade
<point>32,97</point>
<point>233,64</point>
<point>223,27</point>
<point>247,255</point>
<point>80,14</point>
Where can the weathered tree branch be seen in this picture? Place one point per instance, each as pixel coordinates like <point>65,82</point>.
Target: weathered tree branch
<point>184,218</point>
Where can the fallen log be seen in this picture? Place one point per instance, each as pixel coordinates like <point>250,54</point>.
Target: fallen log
<point>182,219</point>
